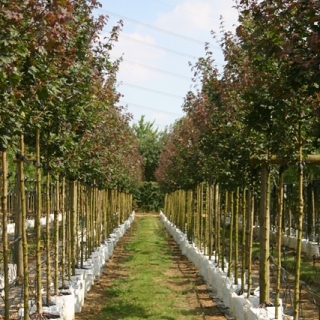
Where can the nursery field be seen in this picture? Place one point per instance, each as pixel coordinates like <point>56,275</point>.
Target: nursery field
<point>148,278</point>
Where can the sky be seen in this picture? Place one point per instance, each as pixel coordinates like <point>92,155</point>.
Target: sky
<point>159,43</point>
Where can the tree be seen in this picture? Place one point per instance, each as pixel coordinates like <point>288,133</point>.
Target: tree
<point>150,144</point>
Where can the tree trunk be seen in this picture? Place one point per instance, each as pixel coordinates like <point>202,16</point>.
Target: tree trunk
<point>56,236</point>
<point>264,235</point>
<point>23,230</point>
<point>236,233</point>
<point>201,235</point>
<point>48,255</point>
<point>217,219</point>
<point>250,212</point>
<point>209,219</point>
<point>226,210</point>
<point>231,233</point>
<point>243,249</point>
<point>279,240</point>
<point>299,239</point>
<point>17,209</point>
<point>4,203</point>
<point>73,229</point>
<point>63,233</point>
<point>83,224</point>
<point>38,226</point>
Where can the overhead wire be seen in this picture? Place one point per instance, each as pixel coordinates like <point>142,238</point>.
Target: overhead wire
<point>150,90</point>
<point>154,27</point>
<point>159,47</point>
<point>155,69</point>
<point>149,108</point>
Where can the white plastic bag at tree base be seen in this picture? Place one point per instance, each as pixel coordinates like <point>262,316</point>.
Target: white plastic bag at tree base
<point>67,304</point>
<point>30,223</point>
<point>10,228</point>
<point>183,245</point>
<point>78,284</point>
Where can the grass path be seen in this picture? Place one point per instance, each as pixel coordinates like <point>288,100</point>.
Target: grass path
<point>148,278</point>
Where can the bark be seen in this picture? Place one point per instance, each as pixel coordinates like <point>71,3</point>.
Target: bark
<point>48,257</point>
<point>23,233</point>
<point>299,239</point>
<point>250,212</point>
<point>17,211</point>
<point>4,202</point>
<point>201,235</point>
<point>279,240</point>
<point>63,233</point>
<point>226,208</point>
<point>208,221</point>
<point>243,248</point>
<point>83,224</point>
<point>198,218</point>
<point>218,217</point>
<point>231,233</point>
<point>264,235</point>
<point>73,229</point>
<point>236,233</point>
<point>37,224</point>
<point>56,236</point>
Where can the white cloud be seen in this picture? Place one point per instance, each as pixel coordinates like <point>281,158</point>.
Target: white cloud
<point>136,53</point>
<point>193,16</point>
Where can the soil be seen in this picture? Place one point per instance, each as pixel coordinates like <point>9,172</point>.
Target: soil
<point>199,300</point>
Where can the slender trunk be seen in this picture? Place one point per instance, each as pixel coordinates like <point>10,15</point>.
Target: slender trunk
<point>88,221</point>
<point>217,224</point>
<point>226,204</point>
<point>264,235</point>
<point>83,226</point>
<point>48,256</point>
<point>69,228</point>
<point>189,215</point>
<point>63,233</point>
<point>73,229</point>
<point>279,240</point>
<point>313,210</point>
<point>236,233</point>
<point>198,218</point>
<point>105,213</point>
<point>17,209</point>
<point>209,219</point>
<point>250,211</point>
<point>38,226</point>
<point>23,217</point>
<point>243,249</point>
<point>299,240</point>
<point>231,233</point>
<point>56,236</point>
<point>4,202</point>
<point>202,240</point>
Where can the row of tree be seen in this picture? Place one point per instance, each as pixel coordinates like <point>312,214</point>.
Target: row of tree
<point>58,95</point>
<point>260,112</point>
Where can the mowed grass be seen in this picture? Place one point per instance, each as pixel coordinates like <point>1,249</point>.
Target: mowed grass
<point>145,293</point>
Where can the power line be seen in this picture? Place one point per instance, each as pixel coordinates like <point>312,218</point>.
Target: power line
<point>151,90</point>
<point>155,28</point>
<point>153,109</point>
<point>156,69</point>
<point>159,47</point>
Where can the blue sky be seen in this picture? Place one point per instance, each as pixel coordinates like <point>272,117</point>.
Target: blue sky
<point>159,40</point>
